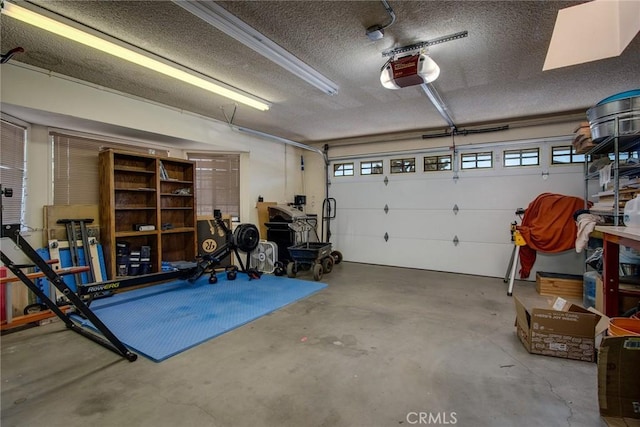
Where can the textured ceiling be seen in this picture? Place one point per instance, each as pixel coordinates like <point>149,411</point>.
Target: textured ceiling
<point>493,75</point>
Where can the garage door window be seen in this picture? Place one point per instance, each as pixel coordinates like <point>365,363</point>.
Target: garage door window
<point>371,168</point>
<point>403,165</point>
<point>629,157</point>
<point>437,163</point>
<point>477,160</point>
<point>343,169</point>
<point>525,157</point>
<point>565,155</point>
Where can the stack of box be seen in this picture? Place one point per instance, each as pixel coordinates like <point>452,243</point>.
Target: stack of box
<point>145,259</point>
<point>569,331</point>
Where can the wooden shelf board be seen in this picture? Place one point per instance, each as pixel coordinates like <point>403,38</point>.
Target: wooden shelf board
<point>179,230</point>
<point>152,208</point>
<point>135,233</point>
<point>134,170</point>
<point>143,190</point>
<point>177,181</point>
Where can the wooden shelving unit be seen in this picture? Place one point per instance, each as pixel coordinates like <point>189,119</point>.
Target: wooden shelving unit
<point>150,190</point>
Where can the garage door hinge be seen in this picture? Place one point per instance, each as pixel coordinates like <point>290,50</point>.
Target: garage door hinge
<point>386,237</point>
<point>456,241</point>
<point>386,180</point>
<point>386,209</point>
<point>455,209</point>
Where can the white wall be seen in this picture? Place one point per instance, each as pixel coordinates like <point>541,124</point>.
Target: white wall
<point>268,169</point>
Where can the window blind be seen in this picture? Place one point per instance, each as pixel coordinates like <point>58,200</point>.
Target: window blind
<point>75,167</point>
<point>217,182</point>
<point>12,169</point>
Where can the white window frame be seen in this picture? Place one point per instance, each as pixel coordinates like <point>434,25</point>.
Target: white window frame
<point>467,159</point>
<point>438,163</point>
<point>405,165</point>
<point>581,158</point>
<point>343,169</point>
<point>520,157</point>
<point>374,167</point>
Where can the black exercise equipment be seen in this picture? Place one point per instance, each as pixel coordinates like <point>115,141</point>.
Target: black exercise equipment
<point>145,279</point>
<point>72,236</point>
<point>232,272</point>
<point>279,269</point>
<point>245,238</point>
<point>253,273</point>
<point>11,229</point>
<point>110,341</point>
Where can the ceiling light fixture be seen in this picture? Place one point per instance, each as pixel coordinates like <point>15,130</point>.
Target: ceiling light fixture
<point>66,28</point>
<point>218,17</point>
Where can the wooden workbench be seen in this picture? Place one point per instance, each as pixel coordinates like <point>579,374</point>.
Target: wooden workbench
<point>613,237</point>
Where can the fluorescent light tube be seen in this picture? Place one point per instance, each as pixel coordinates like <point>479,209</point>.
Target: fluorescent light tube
<point>130,54</point>
<point>218,17</point>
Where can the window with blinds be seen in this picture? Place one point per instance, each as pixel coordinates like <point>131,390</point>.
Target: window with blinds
<point>12,170</point>
<point>217,183</point>
<point>75,167</point>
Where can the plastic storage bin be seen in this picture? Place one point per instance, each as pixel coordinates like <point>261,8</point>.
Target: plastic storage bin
<point>589,289</point>
<point>632,212</point>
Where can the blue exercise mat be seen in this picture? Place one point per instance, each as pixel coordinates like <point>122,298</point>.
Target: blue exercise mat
<point>163,320</point>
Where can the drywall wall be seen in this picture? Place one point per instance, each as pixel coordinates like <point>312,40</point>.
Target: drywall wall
<point>268,169</point>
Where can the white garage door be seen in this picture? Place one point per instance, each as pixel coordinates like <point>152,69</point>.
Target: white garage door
<point>421,225</point>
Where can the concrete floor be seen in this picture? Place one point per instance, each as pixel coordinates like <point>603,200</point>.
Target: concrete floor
<point>378,347</point>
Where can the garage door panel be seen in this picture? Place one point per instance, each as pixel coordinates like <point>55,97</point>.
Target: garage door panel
<point>360,222</point>
<point>466,193</point>
<point>511,192</point>
<point>421,223</point>
<point>489,260</point>
<point>484,226</point>
<point>477,226</point>
<point>358,195</point>
<point>425,194</point>
<point>365,249</point>
<point>445,256</point>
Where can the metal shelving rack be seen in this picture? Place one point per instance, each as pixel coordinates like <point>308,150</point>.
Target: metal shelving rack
<point>616,143</point>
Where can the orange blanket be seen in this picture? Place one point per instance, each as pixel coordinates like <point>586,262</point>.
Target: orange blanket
<point>548,226</point>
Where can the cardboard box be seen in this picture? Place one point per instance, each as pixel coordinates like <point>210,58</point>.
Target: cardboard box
<point>563,330</point>
<point>582,140</point>
<point>619,380</point>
